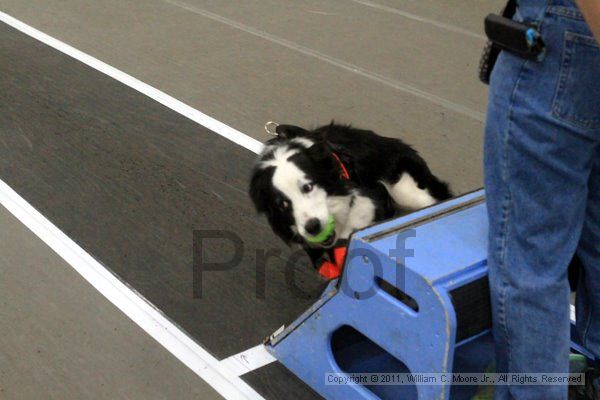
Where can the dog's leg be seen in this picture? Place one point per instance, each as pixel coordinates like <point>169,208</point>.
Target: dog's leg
<point>407,193</point>
<point>414,186</point>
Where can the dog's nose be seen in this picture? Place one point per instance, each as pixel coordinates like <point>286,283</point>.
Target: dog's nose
<point>313,226</point>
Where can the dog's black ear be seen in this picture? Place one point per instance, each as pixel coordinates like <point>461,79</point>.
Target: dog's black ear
<point>290,131</point>
<point>320,153</point>
<point>258,190</point>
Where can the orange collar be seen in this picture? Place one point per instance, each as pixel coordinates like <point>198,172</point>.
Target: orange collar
<point>345,173</point>
<point>333,268</point>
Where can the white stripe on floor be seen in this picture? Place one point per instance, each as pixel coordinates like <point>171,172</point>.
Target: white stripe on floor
<point>216,373</point>
<point>143,313</point>
<point>438,24</point>
<point>161,97</point>
<point>248,360</point>
<point>393,83</point>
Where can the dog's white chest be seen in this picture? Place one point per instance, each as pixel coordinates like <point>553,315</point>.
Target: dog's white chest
<point>351,213</point>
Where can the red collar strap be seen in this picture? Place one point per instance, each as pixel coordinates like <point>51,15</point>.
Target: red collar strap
<point>345,173</point>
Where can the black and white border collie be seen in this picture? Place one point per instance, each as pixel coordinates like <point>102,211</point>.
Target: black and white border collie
<point>303,178</point>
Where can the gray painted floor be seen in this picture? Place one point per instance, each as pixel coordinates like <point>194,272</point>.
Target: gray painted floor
<point>130,181</point>
<point>402,68</point>
<point>60,339</point>
<point>245,63</point>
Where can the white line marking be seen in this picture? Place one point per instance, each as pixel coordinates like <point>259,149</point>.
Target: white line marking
<point>404,87</point>
<point>417,18</point>
<point>223,376</point>
<point>320,12</point>
<point>248,360</point>
<point>131,303</point>
<point>135,306</point>
<point>161,97</point>
<point>573,314</point>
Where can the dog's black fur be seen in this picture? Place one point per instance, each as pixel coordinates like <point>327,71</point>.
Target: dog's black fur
<point>368,157</point>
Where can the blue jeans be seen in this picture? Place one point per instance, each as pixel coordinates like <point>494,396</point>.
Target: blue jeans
<point>542,179</point>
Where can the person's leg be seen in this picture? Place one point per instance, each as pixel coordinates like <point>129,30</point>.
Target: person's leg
<point>536,175</point>
<point>588,293</point>
<point>536,208</point>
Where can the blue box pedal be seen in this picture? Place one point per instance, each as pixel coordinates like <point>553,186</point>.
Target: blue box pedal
<point>413,298</point>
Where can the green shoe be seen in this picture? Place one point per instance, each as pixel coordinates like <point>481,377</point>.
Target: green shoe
<point>486,392</point>
<point>577,363</point>
<point>591,390</point>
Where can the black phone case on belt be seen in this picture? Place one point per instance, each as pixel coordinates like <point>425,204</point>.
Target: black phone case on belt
<point>516,37</point>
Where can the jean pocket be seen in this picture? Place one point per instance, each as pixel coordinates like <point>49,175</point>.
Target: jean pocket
<point>577,98</point>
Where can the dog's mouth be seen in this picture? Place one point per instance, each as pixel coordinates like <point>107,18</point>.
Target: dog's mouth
<point>330,241</point>
<point>327,237</point>
<point>327,243</point>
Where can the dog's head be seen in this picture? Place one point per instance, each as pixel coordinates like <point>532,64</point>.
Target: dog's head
<point>294,177</point>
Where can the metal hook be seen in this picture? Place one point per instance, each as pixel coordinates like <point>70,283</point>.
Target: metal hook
<point>271,128</point>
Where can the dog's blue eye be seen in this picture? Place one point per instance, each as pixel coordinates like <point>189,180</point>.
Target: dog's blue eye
<point>307,187</point>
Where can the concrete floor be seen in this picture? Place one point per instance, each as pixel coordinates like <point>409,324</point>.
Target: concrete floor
<point>401,68</point>
<point>60,339</point>
<point>302,62</point>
